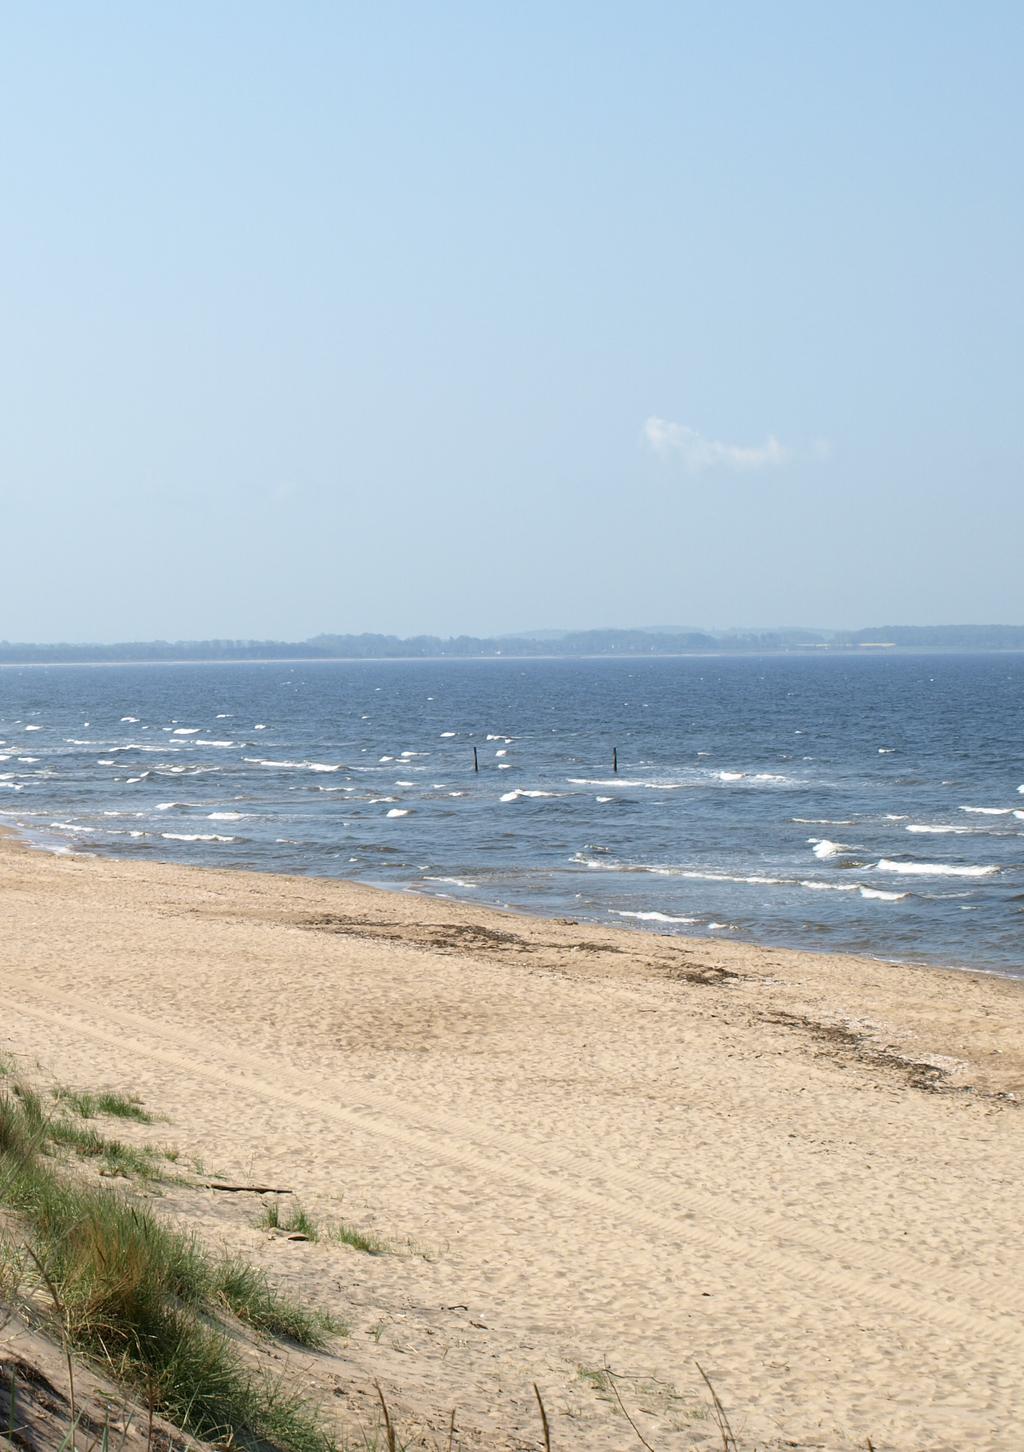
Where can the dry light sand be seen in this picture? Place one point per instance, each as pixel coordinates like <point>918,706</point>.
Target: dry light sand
<point>588,1147</point>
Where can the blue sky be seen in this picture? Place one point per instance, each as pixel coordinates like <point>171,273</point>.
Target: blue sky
<point>444,317</point>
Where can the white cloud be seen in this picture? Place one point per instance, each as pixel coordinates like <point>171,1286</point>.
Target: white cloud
<point>697,454</point>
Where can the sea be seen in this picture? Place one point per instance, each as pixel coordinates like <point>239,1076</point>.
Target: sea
<point>869,803</point>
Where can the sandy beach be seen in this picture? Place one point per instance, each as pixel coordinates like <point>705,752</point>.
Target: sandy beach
<point>589,1149</point>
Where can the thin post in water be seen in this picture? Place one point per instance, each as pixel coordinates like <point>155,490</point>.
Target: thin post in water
<point>476,763</point>
<point>615,759</point>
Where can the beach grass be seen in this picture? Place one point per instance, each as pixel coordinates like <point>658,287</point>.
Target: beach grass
<point>91,1106</point>
<point>299,1222</point>
<point>296,1222</point>
<point>359,1240</point>
<point>142,1298</point>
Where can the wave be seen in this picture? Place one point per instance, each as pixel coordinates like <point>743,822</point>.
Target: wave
<point>205,741</point>
<point>452,881</point>
<point>824,848</point>
<point>934,869</point>
<point>652,917</point>
<point>398,812</point>
<point>186,731</point>
<point>876,892</point>
<point>319,766</point>
<point>621,781</point>
<point>226,816</point>
<point>196,837</point>
<point>940,830</point>
<point>517,792</point>
<point>823,821</point>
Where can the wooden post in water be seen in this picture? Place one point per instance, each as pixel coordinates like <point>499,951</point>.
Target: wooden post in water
<point>476,763</point>
<point>615,759</point>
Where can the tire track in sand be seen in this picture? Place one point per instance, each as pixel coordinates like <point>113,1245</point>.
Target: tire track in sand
<point>893,1279</point>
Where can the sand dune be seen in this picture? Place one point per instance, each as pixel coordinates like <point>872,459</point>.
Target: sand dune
<point>598,1147</point>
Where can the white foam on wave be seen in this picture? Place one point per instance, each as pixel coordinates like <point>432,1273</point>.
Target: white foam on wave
<point>518,792</point>
<point>448,733</point>
<point>652,917</point>
<point>226,816</point>
<point>205,741</point>
<point>941,830</point>
<point>989,811</point>
<point>730,775</point>
<point>397,812</point>
<point>196,837</point>
<point>507,739</point>
<point>604,799</point>
<point>132,720</point>
<point>316,766</point>
<point>934,869</point>
<point>755,880</point>
<point>186,731</point>
<point>39,728</point>
<point>822,847</point>
<point>451,881</point>
<point>621,781</point>
<point>71,827</point>
<point>106,761</point>
<point>823,821</point>
<point>405,783</point>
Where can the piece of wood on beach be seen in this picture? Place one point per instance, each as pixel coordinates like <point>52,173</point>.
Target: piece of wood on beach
<point>246,1189</point>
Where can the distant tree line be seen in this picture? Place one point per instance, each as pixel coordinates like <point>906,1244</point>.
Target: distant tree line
<point>567,643</point>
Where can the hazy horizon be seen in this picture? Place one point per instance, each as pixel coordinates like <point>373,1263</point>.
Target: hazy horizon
<point>422,321</point>
<point>527,633</point>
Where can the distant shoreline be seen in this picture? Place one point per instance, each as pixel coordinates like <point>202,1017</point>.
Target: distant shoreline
<point>806,653</point>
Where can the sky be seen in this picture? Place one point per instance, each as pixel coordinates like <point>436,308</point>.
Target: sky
<point>459,317</point>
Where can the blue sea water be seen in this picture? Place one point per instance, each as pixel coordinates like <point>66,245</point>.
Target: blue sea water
<point>872,804</point>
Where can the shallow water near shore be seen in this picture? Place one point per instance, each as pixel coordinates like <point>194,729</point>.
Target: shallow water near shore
<point>869,804</point>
